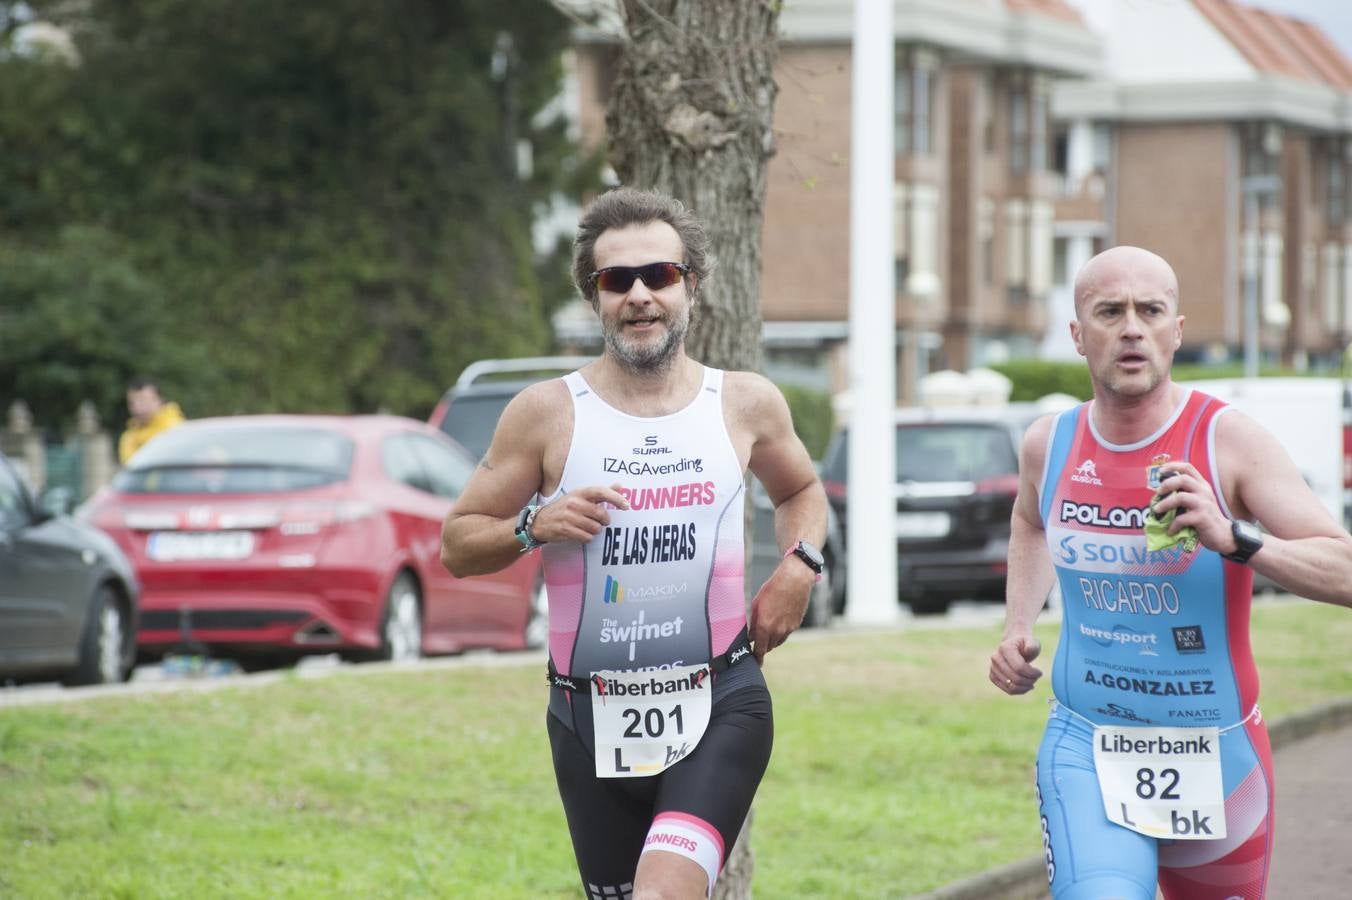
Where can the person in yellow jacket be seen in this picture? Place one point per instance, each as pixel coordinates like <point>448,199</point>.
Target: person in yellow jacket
<point>150,415</point>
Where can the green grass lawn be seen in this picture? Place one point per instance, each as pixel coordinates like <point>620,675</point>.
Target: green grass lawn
<point>897,768</point>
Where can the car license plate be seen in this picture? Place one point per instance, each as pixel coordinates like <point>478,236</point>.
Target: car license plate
<point>171,546</point>
<point>923,524</point>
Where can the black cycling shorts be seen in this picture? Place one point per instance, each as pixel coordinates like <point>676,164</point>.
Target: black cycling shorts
<point>709,791</point>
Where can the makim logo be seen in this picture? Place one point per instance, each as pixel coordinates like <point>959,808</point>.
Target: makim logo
<point>617,593</point>
<point>1131,517</point>
<point>643,467</point>
<point>1122,636</point>
<point>1085,473</point>
<point>638,632</point>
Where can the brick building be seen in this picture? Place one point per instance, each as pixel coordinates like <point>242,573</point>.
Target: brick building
<point>1220,136</point>
<point>1028,134</point>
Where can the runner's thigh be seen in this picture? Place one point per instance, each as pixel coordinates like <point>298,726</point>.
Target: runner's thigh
<point>1088,857</point>
<point>608,818</point>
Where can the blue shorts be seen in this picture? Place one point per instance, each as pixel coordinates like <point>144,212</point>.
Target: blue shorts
<point>1089,857</point>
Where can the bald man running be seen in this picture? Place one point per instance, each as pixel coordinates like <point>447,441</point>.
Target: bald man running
<point>1155,765</point>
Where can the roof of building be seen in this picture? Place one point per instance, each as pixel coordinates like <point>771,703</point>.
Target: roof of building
<point>1279,44</point>
<point>1206,60</point>
<point>1057,9</point>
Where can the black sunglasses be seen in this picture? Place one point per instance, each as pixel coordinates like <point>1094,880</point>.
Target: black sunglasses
<point>655,276</point>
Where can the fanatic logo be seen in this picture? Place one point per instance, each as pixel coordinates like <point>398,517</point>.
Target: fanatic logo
<point>1086,473</point>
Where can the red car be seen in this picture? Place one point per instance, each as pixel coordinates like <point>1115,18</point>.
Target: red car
<point>266,538</point>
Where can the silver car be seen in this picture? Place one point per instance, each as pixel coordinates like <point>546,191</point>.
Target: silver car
<point>68,597</point>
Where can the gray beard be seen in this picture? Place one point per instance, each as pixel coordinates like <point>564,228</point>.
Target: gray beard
<point>649,357</point>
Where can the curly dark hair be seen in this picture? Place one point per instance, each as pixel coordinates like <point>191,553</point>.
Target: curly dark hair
<point>625,206</point>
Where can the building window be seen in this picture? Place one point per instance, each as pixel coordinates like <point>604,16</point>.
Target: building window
<point>1060,262</point>
<point>1337,187</point>
<point>901,102</point>
<point>986,232</point>
<point>923,81</point>
<point>1037,131</point>
<point>1016,250</point>
<point>988,105</point>
<point>901,233</point>
<point>913,102</point>
<point>1018,130</point>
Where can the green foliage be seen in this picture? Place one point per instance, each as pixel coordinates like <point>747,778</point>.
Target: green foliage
<point>813,417</point>
<point>1034,378</point>
<point>76,317</point>
<point>319,204</point>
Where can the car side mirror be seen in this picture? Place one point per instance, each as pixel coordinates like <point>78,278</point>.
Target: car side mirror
<point>56,501</point>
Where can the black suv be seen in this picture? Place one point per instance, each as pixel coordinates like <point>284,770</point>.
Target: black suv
<point>957,475</point>
<point>469,413</point>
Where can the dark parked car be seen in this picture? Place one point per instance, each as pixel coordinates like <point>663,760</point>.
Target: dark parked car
<point>469,412</point>
<point>68,596</point>
<point>957,475</point>
<point>266,538</point>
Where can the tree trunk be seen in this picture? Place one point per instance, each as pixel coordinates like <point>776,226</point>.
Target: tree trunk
<point>692,115</point>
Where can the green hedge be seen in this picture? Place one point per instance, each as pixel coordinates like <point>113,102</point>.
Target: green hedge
<point>813,418</point>
<point>1034,378</point>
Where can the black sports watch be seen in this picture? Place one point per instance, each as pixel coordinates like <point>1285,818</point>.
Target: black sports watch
<point>1248,541</point>
<point>524,520</point>
<point>810,555</point>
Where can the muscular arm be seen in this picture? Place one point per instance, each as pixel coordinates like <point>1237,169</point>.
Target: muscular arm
<point>1304,551</point>
<point>781,462</point>
<point>1031,574</point>
<point>479,534</point>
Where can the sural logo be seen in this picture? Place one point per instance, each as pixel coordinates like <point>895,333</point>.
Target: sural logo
<point>1086,473</point>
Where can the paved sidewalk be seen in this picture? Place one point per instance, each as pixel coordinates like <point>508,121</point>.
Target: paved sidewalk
<point>1313,853</point>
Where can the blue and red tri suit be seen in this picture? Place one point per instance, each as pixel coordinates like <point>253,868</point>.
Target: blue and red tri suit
<point>1147,638</point>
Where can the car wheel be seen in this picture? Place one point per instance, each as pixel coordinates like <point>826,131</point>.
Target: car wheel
<point>924,605</point>
<point>265,662</point>
<point>104,654</point>
<point>401,628</point>
<point>536,633</point>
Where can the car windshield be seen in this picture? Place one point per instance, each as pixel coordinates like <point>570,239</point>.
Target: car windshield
<point>953,452</point>
<point>237,459</point>
<point>471,420</point>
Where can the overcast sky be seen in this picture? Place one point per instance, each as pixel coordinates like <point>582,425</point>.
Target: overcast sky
<point>1334,16</point>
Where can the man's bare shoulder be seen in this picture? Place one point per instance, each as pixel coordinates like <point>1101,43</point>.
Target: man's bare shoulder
<point>1035,439</point>
<point>535,411</point>
<point>751,391</point>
